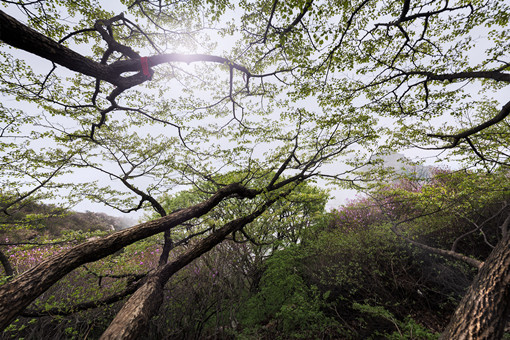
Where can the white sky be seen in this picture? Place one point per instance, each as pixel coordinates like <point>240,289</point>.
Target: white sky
<point>340,196</point>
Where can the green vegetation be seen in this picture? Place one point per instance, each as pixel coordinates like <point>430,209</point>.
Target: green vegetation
<point>32,220</point>
<point>347,276</point>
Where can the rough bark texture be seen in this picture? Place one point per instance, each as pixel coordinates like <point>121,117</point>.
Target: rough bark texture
<point>484,310</point>
<point>18,35</point>
<point>136,313</point>
<point>16,295</point>
<point>21,291</point>
<point>130,322</point>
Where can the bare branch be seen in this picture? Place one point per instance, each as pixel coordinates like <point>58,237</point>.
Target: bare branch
<point>273,9</point>
<point>447,253</point>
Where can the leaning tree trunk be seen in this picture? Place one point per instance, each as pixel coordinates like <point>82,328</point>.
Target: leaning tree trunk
<point>17,294</point>
<point>135,315</point>
<point>484,310</point>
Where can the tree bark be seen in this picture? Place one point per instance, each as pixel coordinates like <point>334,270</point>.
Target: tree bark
<point>168,245</point>
<point>16,295</point>
<point>484,310</point>
<point>16,34</point>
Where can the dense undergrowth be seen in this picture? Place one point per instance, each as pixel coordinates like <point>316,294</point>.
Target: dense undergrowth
<point>349,276</point>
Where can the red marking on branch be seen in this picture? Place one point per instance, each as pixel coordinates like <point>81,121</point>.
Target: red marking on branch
<point>145,67</point>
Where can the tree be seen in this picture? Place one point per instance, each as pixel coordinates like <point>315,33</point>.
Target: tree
<point>464,210</point>
<point>111,133</point>
<point>413,63</point>
<point>286,222</point>
<point>484,309</point>
<point>459,215</point>
<point>408,63</point>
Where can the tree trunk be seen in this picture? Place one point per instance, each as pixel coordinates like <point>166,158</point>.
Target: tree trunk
<point>23,37</point>
<point>484,310</point>
<point>16,295</point>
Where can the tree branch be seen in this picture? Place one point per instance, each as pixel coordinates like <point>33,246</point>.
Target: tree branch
<point>505,111</point>
<point>447,253</point>
<point>6,264</point>
<point>145,302</point>
<point>82,306</point>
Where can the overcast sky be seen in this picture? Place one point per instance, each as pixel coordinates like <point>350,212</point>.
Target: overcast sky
<point>340,196</point>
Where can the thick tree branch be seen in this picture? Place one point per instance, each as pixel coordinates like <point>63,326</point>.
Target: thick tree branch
<point>405,9</point>
<point>447,253</point>
<point>484,310</point>
<point>296,21</point>
<point>16,295</point>
<point>20,36</point>
<point>497,75</point>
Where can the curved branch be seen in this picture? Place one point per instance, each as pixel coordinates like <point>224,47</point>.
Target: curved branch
<point>41,185</point>
<point>144,303</point>
<point>296,21</point>
<point>477,227</point>
<point>20,36</point>
<point>447,253</point>
<point>75,33</point>
<point>505,111</point>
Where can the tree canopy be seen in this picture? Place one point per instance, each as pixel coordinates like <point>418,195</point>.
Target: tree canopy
<point>244,101</point>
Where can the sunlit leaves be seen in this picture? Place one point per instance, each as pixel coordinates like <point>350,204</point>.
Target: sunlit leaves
<point>338,77</point>
<point>286,222</point>
<point>383,58</point>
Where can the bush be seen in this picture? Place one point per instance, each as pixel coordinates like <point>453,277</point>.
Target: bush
<point>284,305</point>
